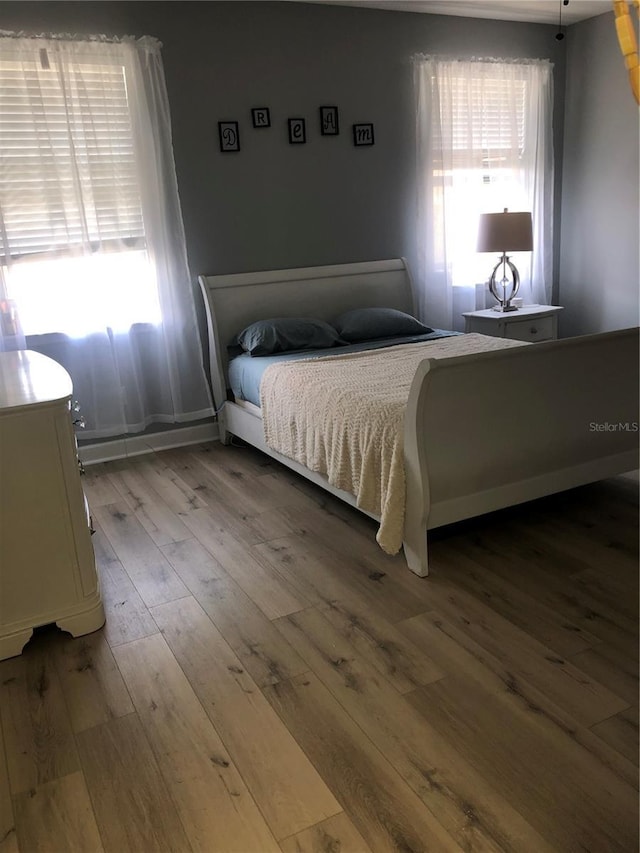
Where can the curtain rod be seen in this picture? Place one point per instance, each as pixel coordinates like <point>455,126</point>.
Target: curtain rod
<point>149,42</point>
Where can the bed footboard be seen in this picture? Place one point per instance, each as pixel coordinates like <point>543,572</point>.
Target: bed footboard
<point>487,431</point>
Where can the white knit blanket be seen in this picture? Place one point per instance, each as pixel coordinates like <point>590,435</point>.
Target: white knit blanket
<point>343,416</point>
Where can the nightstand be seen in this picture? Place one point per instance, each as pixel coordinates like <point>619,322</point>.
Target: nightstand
<point>530,323</point>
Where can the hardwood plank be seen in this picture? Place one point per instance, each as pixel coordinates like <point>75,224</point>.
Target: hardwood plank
<point>244,494</point>
<point>618,592</point>
<point>585,699</point>
<point>348,536</point>
<point>264,526</point>
<point>611,668</point>
<point>389,816</point>
<point>322,574</point>
<point>97,486</point>
<point>543,572</point>
<point>173,490</point>
<point>291,558</point>
<point>56,816</point>
<point>248,528</point>
<point>247,492</point>
<point>214,804</point>
<point>127,615</point>
<point>281,492</point>
<point>268,590</point>
<point>8,836</point>
<point>608,522</point>
<point>37,730</point>
<point>335,835</point>
<point>621,732</point>
<point>245,523</point>
<point>237,456</point>
<point>456,653</point>
<point>576,546</point>
<point>322,498</point>
<point>591,530</point>
<point>401,663</point>
<point>264,652</point>
<point>161,523</point>
<point>382,645</point>
<point>145,564</point>
<point>133,808</point>
<point>185,466</point>
<point>517,606</point>
<point>332,507</point>
<point>378,567</point>
<point>91,682</point>
<point>465,803</point>
<point>556,786</point>
<point>285,785</point>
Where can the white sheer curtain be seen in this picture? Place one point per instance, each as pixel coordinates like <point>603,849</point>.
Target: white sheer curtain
<point>93,266</point>
<point>484,142</point>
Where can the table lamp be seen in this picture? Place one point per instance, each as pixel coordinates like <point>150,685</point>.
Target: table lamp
<point>505,232</point>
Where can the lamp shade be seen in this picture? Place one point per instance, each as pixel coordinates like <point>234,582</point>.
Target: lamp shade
<point>505,232</point>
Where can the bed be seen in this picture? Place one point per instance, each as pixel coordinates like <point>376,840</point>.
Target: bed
<point>498,425</point>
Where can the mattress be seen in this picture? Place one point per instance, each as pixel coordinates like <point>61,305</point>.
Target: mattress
<point>245,371</point>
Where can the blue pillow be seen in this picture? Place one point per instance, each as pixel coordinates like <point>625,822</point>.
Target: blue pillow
<point>366,324</point>
<point>282,334</point>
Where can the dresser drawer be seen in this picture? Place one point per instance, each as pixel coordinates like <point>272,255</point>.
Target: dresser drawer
<point>542,329</point>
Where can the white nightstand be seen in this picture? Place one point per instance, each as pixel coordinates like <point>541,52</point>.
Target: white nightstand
<point>529,323</point>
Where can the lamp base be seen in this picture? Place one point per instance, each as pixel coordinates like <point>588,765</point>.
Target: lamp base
<point>504,300</point>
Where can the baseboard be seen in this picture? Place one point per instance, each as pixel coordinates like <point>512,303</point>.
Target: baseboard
<point>136,445</point>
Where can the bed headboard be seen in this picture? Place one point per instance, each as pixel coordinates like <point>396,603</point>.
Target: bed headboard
<point>234,301</point>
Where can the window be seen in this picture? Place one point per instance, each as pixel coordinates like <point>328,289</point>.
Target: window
<point>70,206</point>
<point>479,171</point>
<point>93,262</point>
<point>484,143</point>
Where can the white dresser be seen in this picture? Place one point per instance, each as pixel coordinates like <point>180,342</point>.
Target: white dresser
<point>529,323</point>
<point>47,565</point>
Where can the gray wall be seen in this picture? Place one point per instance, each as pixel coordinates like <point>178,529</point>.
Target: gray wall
<point>599,260</point>
<point>274,205</point>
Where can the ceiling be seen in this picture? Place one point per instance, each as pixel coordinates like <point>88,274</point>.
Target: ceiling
<point>533,11</point>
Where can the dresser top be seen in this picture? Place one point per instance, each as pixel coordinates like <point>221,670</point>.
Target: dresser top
<point>28,378</point>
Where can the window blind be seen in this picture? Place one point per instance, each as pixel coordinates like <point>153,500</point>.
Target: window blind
<point>67,161</point>
<point>487,120</point>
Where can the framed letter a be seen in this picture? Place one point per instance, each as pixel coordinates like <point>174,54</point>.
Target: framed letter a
<point>329,121</point>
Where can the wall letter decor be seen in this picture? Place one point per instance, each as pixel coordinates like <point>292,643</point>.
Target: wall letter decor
<point>297,133</point>
<point>260,117</point>
<point>329,121</point>
<point>363,134</point>
<point>229,136</point>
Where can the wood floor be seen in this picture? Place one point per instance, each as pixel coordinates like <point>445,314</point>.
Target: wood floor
<point>269,680</point>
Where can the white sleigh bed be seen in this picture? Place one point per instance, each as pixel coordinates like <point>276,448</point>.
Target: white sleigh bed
<point>481,431</point>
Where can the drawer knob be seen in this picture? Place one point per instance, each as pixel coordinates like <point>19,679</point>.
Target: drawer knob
<point>533,331</point>
<point>80,422</point>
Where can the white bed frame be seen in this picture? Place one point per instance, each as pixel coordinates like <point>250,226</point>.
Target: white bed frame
<point>482,432</point>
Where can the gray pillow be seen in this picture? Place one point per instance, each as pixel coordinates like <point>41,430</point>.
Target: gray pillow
<point>365,324</point>
<point>281,334</point>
